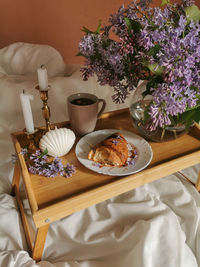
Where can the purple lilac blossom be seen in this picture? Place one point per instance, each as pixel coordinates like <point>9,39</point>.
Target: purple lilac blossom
<point>131,162</point>
<point>144,4</point>
<point>187,3</point>
<point>123,63</point>
<point>115,142</point>
<point>69,170</point>
<point>96,164</point>
<point>42,166</point>
<point>23,151</point>
<point>86,46</point>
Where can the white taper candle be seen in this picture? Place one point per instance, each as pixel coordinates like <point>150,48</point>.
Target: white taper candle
<point>27,112</point>
<point>42,78</point>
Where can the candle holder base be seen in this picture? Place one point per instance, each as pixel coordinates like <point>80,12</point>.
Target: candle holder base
<point>32,140</point>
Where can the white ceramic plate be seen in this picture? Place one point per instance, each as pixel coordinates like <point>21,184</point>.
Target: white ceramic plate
<point>144,150</point>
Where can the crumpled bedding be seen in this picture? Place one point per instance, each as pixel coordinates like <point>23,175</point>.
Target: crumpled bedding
<point>155,225</point>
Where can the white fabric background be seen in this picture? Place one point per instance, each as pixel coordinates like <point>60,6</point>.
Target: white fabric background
<point>152,226</point>
<point>24,59</point>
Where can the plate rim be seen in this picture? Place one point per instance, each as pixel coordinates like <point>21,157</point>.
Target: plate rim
<point>107,168</point>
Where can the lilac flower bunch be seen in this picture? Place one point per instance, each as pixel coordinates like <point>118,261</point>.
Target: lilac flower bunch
<point>157,44</point>
<point>40,164</point>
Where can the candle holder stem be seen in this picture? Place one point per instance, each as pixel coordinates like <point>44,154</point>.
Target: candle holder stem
<point>45,108</point>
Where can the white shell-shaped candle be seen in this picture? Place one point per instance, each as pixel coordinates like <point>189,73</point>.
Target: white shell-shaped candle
<point>58,142</point>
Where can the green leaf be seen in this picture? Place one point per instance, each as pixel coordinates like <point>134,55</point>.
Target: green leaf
<point>79,54</point>
<point>192,13</point>
<point>165,2</point>
<point>173,120</point>
<point>155,68</point>
<point>45,152</point>
<point>192,108</point>
<point>132,25</point>
<point>152,83</point>
<point>146,112</point>
<point>154,50</point>
<point>87,31</point>
<point>98,28</point>
<point>106,43</point>
<point>194,88</point>
<point>197,115</point>
<point>188,117</point>
<point>149,85</point>
<point>128,24</point>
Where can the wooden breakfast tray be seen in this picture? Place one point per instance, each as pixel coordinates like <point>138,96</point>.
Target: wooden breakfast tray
<point>51,199</point>
<point>85,188</point>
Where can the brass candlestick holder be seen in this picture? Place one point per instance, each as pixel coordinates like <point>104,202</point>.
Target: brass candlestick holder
<point>45,108</point>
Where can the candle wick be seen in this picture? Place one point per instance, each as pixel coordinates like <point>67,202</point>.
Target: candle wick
<point>23,91</point>
<point>42,66</point>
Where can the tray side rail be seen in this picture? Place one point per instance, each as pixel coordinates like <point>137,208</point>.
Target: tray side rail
<point>68,206</point>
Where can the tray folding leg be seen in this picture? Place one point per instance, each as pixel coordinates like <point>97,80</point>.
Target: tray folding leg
<point>15,191</point>
<point>35,250</point>
<point>16,179</point>
<point>39,242</point>
<point>198,183</point>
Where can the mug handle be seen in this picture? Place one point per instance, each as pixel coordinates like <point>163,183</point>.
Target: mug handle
<point>102,108</point>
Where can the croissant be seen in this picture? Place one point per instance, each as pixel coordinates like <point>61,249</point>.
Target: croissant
<point>112,151</point>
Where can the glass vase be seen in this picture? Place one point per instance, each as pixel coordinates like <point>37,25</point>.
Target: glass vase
<point>137,107</point>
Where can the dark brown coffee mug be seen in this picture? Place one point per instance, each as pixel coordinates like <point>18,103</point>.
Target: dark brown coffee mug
<point>83,110</point>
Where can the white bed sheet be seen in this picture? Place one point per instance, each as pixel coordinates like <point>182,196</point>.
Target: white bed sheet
<point>156,225</point>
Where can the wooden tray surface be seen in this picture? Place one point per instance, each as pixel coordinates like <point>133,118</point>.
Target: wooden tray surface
<point>49,191</point>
